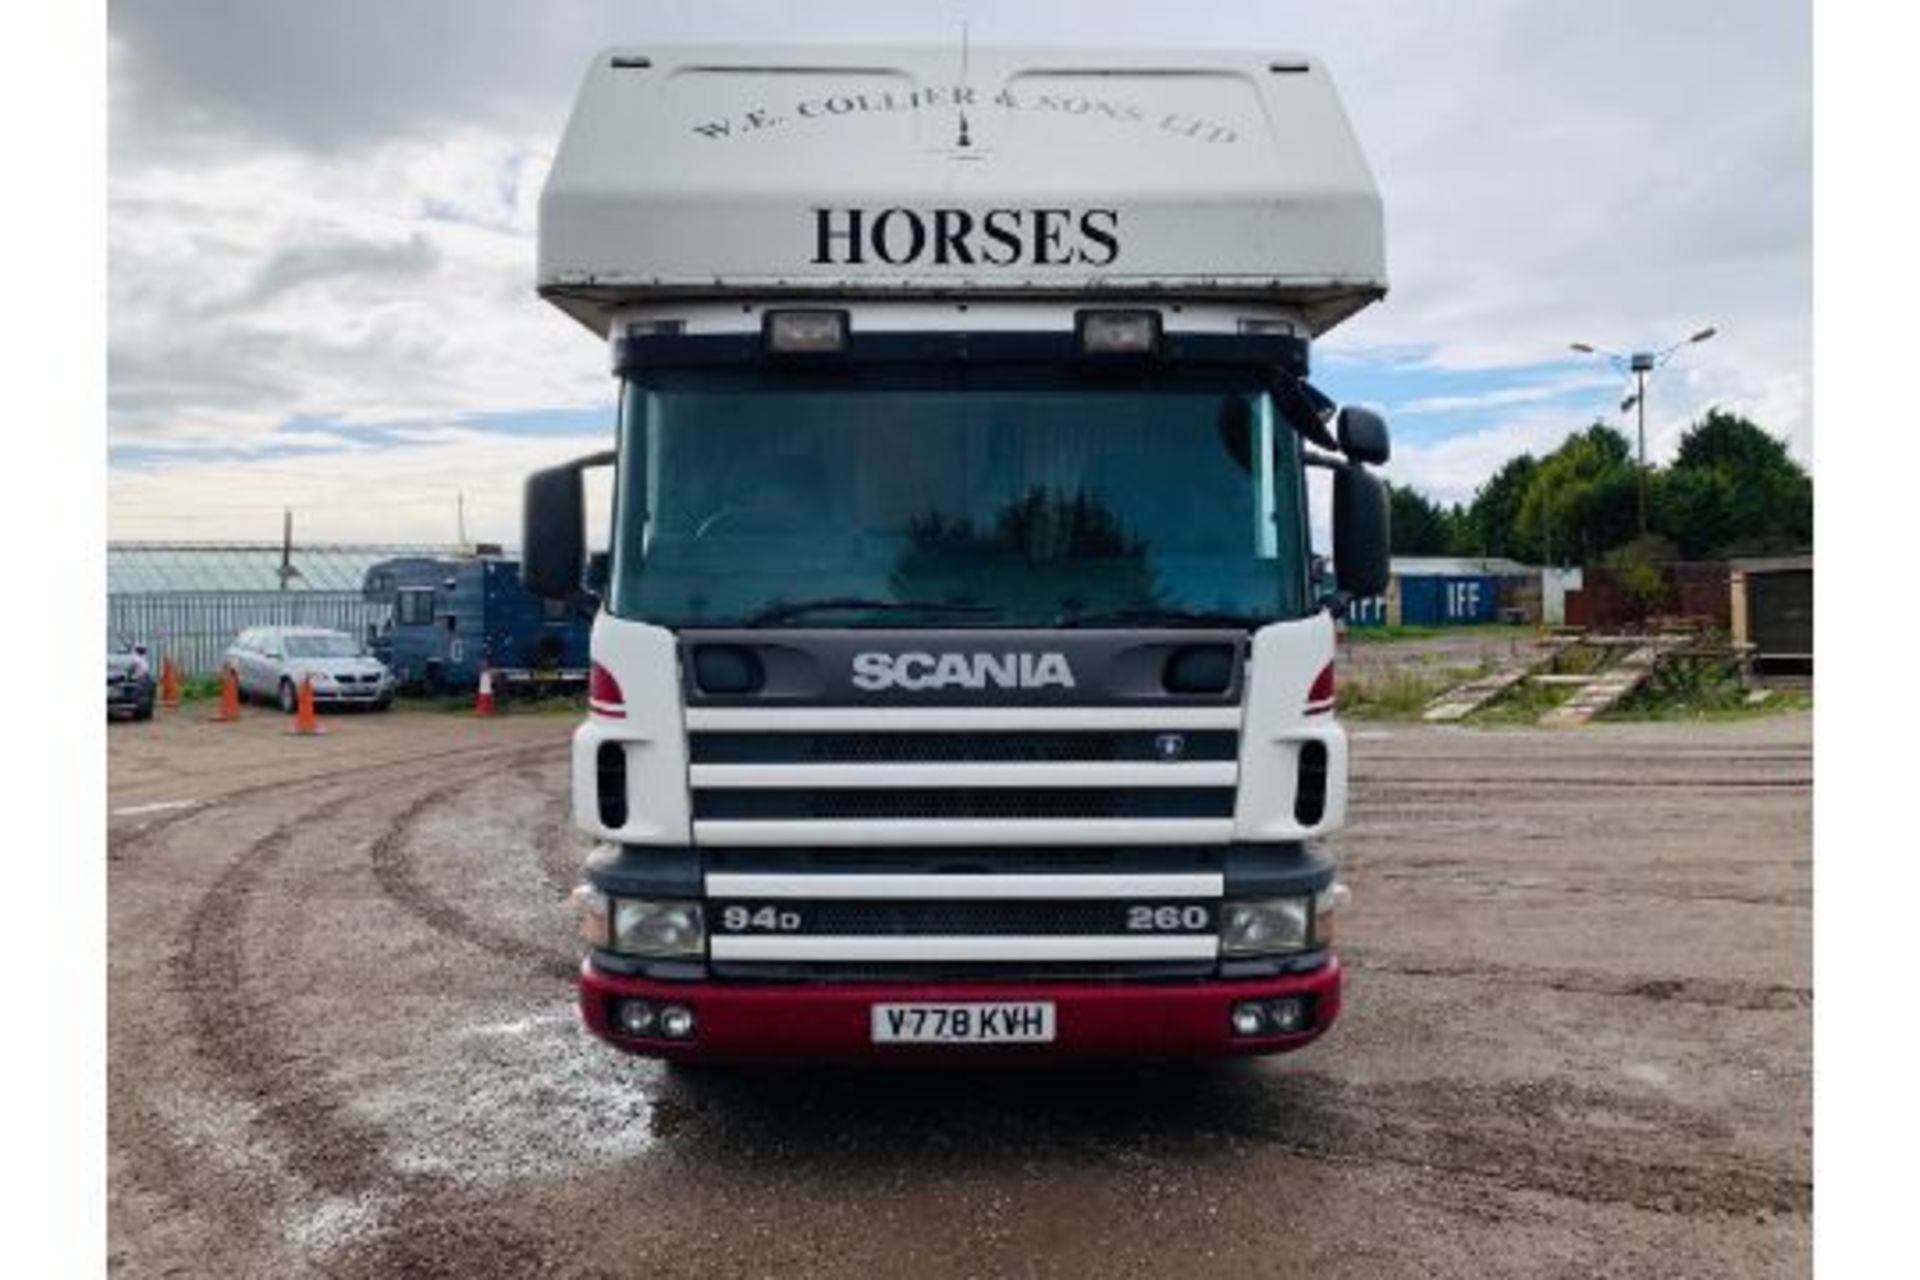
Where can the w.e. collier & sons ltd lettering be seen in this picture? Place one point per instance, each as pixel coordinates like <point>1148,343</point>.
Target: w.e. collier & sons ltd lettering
<point>835,106</point>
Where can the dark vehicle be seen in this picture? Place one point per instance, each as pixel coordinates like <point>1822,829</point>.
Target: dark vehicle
<point>129,679</point>
<point>452,618</point>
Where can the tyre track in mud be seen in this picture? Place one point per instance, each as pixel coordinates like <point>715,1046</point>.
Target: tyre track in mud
<point>396,874</point>
<point>230,1024</point>
<point>1518,1137</point>
<point>134,835</point>
<point>559,858</point>
<point>1717,993</point>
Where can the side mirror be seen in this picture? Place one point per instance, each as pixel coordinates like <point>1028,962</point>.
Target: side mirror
<point>553,528</point>
<point>1363,435</point>
<point>1362,534</point>
<point>599,569</point>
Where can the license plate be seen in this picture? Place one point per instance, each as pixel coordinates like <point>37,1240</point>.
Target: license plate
<point>963,1023</point>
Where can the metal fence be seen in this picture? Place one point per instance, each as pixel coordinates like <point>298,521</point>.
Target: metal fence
<point>195,627</point>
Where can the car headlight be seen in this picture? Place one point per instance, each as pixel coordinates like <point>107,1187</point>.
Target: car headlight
<point>1263,926</point>
<point>655,927</point>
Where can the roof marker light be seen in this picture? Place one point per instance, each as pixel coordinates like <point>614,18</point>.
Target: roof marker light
<point>1118,333</point>
<point>810,332</point>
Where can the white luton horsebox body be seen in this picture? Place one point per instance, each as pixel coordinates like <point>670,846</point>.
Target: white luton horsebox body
<point>726,171</point>
<point>963,678</point>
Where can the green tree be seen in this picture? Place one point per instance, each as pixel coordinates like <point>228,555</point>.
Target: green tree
<point>1734,489</point>
<point>1638,565</point>
<point>1582,499</point>
<point>1490,524</point>
<point>1421,526</point>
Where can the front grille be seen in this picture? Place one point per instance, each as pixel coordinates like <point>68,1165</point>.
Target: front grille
<point>1016,747</point>
<point>963,802</point>
<point>951,917</point>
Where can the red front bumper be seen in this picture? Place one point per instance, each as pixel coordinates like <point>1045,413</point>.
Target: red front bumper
<point>833,1022</point>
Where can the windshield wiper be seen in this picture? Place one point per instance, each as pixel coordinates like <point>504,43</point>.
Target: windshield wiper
<point>1161,618</point>
<point>781,611</point>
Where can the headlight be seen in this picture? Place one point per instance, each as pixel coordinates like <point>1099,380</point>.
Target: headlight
<point>1261,926</point>
<point>645,927</point>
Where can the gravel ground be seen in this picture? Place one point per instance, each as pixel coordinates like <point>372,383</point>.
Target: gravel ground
<point>1577,1040</point>
<point>1364,659</point>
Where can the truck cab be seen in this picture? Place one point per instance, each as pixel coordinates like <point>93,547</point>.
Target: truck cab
<point>962,684</point>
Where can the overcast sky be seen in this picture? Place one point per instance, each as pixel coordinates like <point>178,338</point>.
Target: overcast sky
<point>321,222</point>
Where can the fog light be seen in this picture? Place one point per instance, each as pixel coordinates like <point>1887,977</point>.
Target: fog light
<point>1249,1019</point>
<point>1287,1015</point>
<point>676,1021</point>
<point>636,1017</point>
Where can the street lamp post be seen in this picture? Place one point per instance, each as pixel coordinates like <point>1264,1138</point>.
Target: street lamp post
<point>1640,364</point>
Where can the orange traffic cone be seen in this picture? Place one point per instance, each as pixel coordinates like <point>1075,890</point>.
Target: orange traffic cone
<point>169,684</point>
<point>483,700</point>
<point>229,708</point>
<point>304,719</point>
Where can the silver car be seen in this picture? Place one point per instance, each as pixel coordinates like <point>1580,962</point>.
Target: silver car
<point>271,661</point>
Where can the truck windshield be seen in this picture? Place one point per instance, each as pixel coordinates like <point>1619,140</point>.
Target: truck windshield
<point>954,497</point>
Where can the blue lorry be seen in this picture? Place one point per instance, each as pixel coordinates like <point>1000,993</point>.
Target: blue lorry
<point>453,617</point>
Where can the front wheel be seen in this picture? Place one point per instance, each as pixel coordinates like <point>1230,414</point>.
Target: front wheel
<point>384,704</point>
<point>289,697</point>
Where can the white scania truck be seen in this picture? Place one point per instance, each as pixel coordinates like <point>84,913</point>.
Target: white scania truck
<point>962,684</point>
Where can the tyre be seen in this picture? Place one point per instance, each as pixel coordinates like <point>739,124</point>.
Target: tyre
<point>384,704</point>
<point>289,697</point>
<point>144,711</point>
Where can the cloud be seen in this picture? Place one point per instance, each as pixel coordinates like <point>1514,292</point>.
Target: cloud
<point>1550,388</point>
<point>252,289</point>
<point>409,492</point>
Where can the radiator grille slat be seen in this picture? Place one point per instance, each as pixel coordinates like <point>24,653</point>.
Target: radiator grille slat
<point>964,802</point>
<point>1014,747</point>
<point>935,917</point>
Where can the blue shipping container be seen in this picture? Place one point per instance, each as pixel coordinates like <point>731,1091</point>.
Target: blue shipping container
<point>1441,601</point>
<point>1369,612</point>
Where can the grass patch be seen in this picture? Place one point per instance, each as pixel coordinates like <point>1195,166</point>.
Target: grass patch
<point>1709,691</point>
<point>1525,703</point>
<point>207,689</point>
<point>1400,693</point>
